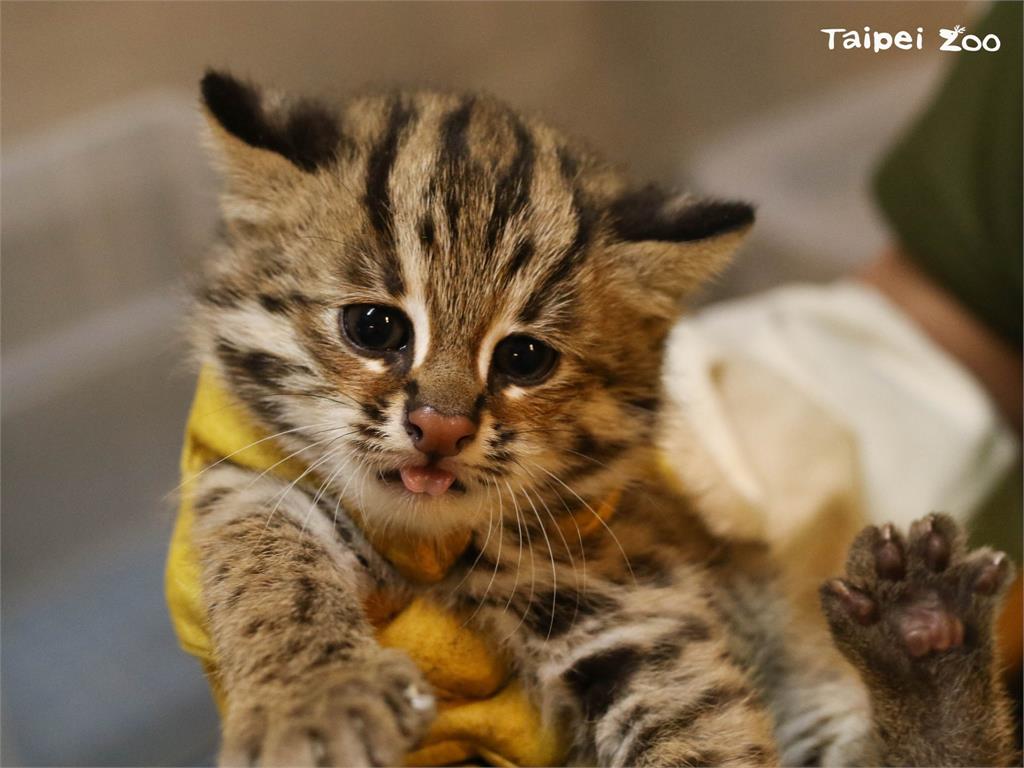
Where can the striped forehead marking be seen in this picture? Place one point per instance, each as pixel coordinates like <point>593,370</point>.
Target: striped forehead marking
<point>439,189</point>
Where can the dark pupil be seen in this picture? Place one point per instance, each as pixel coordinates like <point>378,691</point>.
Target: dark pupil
<point>522,357</point>
<point>376,327</point>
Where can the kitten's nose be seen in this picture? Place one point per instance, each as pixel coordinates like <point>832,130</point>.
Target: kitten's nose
<point>432,432</point>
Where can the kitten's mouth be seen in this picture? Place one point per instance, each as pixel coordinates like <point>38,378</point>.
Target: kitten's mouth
<point>430,480</point>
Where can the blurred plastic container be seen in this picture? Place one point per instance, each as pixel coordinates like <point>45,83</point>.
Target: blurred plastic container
<point>101,216</point>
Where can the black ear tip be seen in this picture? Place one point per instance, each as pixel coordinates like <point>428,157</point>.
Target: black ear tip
<point>221,91</point>
<point>213,82</point>
<point>212,78</point>
<point>650,214</point>
<point>304,133</point>
<point>235,105</point>
<point>723,216</point>
<point>709,218</point>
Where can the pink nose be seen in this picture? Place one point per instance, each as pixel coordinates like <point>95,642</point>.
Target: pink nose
<point>432,432</point>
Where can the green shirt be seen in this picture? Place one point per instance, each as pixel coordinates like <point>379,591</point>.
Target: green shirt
<point>951,186</point>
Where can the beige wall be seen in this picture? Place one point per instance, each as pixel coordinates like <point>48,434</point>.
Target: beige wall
<point>645,82</point>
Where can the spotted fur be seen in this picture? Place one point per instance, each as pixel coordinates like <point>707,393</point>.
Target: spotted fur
<point>649,640</point>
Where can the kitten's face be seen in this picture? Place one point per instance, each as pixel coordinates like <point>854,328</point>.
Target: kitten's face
<point>446,308</point>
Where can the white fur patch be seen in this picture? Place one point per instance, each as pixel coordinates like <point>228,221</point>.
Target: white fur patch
<point>514,393</point>
<point>416,309</point>
<point>498,331</point>
<point>253,327</point>
<point>241,209</point>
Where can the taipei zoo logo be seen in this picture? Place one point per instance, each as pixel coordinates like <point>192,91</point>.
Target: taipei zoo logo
<point>875,40</point>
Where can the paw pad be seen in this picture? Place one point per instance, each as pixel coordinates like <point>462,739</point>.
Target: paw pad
<point>916,597</point>
<point>927,626</point>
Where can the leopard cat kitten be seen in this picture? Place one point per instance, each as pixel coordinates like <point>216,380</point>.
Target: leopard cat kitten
<point>456,319</point>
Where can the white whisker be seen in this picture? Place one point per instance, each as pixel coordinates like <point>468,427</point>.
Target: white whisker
<point>533,566</point>
<point>319,494</point>
<point>221,460</point>
<point>292,484</point>
<point>565,543</point>
<point>519,560</point>
<point>551,555</point>
<point>497,560</point>
<point>480,553</point>
<point>583,501</point>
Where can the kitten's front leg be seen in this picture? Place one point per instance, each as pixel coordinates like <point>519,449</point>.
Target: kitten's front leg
<point>305,681</point>
<point>916,619</point>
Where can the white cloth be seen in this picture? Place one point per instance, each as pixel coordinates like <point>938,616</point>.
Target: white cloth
<point>789,405</point>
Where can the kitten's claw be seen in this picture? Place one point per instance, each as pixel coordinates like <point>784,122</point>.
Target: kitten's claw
<point>419,700</point>
<point>993,573</point>
<point>858,605</point>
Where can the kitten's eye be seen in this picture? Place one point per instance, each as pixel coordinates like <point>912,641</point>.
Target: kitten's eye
<point>375,328</point>
<point>524,360</point>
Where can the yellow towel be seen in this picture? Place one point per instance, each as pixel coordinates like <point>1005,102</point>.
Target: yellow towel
<point>482,714</point>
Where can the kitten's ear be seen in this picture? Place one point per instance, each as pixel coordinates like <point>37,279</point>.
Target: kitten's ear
<point>675,243</point>
<point>260,139</point>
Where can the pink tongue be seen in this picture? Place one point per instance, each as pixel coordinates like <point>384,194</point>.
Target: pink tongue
<point>430,480</point>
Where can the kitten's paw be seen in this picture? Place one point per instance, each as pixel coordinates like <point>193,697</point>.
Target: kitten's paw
<point>369,713</point>
<point>908,602</point>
